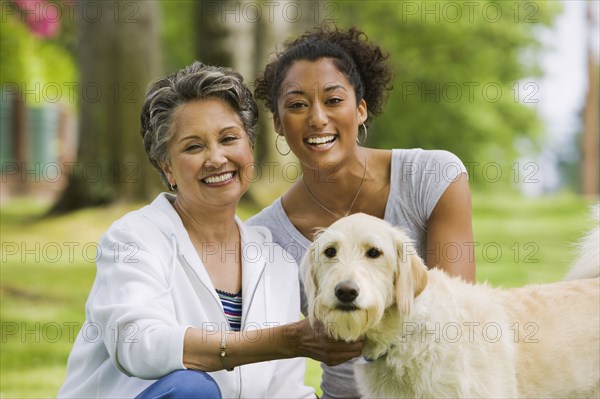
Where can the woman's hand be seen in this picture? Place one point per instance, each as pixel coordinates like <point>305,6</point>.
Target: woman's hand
<point>312,341</point>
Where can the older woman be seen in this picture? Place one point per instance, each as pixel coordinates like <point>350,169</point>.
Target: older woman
<point>187,299</point>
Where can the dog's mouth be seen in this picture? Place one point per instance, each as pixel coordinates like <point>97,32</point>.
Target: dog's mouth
<point>346,307</point>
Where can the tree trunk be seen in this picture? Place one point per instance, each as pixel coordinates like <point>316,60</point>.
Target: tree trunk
<point>591,129</point>
<point>118,55</point>
<point>212,33</point>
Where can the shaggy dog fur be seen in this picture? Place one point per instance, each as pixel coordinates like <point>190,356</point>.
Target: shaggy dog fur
<point>587,263</point>
<point>429,335</point>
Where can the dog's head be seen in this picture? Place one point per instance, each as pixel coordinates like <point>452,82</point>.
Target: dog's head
<point>357,269</point>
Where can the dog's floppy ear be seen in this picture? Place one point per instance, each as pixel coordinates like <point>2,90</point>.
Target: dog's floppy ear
<point>411,273</point>
<point>309,279</point>
<point>308,272</point>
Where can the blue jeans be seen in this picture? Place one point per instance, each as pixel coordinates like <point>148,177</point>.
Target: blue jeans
<point>183,384</point>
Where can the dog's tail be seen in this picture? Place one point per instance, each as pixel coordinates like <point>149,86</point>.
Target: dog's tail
<point>587,262</point>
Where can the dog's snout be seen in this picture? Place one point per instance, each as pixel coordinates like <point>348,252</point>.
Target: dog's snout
<point>346,291</point>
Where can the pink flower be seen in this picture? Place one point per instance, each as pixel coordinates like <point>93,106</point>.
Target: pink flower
<point>42,17</point>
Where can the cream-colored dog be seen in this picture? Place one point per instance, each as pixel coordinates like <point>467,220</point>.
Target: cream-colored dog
<point>428,335</point>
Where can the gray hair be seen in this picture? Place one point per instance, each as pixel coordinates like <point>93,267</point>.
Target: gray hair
<point>194,82</point>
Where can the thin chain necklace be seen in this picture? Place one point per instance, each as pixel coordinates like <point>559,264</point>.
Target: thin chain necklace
<point>355,195</point>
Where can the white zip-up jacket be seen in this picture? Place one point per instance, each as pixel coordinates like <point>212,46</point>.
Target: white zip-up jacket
<point>151,286</point>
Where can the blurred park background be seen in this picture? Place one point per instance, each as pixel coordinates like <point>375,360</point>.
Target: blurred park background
<point>511,87</point>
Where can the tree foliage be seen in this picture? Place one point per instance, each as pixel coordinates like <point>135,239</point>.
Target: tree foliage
<point>29,62</point>
<point>461,73</point>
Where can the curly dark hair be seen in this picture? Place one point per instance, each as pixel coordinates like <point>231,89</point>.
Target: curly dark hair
<point>364,63</point>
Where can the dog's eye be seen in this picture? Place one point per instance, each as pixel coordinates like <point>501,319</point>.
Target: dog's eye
<point>373,253</point>
<point>330,252</point>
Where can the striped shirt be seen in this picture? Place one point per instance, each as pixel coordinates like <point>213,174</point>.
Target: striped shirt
<point>232,305</point>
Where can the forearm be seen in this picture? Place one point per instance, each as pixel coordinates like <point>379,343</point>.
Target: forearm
<point>465,269</point>
<point>202,349</point>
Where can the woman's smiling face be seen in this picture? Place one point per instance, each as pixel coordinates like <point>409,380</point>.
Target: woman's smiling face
<point>210,155</point>
<point>317,111</point>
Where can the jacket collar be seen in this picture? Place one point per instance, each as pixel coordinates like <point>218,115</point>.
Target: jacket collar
<point>254,252</point>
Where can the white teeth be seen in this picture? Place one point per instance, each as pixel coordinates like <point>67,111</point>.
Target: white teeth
<point>320,140</point>
<point>218,179</point>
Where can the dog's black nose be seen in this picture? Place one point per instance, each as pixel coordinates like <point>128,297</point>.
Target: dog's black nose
<point>346,292</point>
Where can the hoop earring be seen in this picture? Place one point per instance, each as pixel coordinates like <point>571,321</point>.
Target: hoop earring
<point>172,186</point>
<point>366,134</point>
<point>277,146</point>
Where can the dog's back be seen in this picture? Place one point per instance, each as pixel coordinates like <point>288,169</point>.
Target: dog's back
<point>555,328</point>
<point>587,263</point>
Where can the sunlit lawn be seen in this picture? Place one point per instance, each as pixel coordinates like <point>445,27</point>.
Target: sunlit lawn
<point>47,270</point>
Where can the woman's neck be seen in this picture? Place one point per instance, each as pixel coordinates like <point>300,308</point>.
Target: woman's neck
<point>205,225</point>
<point>338,186</point>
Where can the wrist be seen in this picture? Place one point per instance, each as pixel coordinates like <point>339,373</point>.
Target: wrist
<point>289,336</point>
<point>223,352</point>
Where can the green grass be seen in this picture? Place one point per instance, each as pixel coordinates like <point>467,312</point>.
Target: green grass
<point>520,241</point>
<point>47,270</point>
